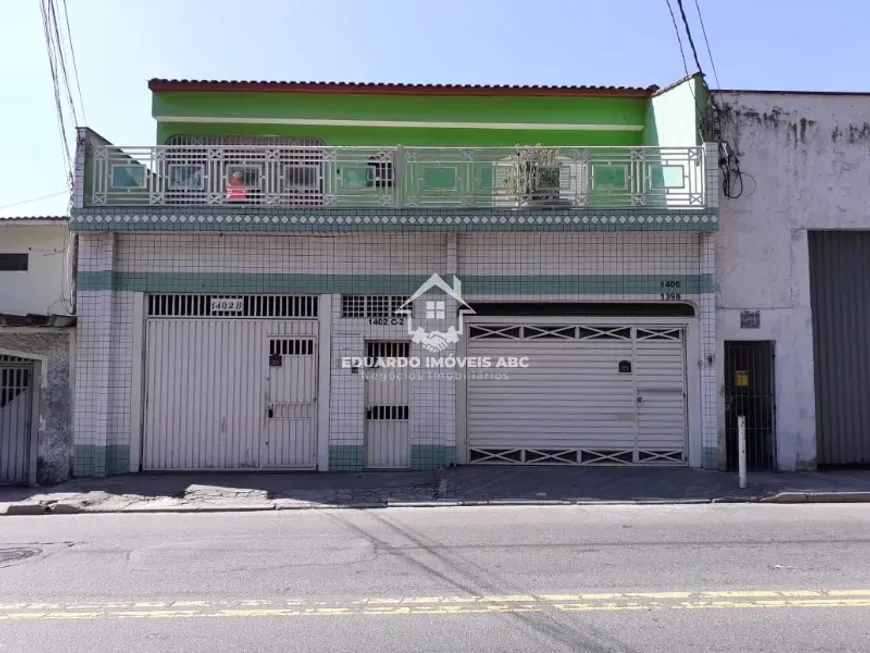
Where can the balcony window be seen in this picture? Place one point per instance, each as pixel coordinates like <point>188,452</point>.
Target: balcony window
<point>664,177</point>
<point>302,177</point>
<point>606,177</point>
<point>380,174</point>
<point>243,182</point>
<point>186,177</point>
<point>439,178</point>
<point>128,176</point>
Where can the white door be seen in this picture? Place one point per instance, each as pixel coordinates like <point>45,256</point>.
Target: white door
<point>15,418</point>
<point>210,390</point>
<point>591,394</point>
<point>660,372</point>
<point>204,394</point>
<point>388,394</point>
<point>291,403</point>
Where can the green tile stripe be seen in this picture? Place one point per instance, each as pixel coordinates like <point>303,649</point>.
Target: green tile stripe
<point>431,456</point>
<point>350,458</point>
<point>711,458</point>
<point>95,460</point>
<point>346,458</point>
<point>135,218</point>
<point>184,282</point>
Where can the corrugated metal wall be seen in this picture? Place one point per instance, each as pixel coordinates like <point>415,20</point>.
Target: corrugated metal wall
<point>840,299</point>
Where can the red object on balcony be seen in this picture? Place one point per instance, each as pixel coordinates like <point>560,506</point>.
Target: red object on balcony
<point>236,188</point>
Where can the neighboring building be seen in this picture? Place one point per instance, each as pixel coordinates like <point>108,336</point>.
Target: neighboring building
<point>37,257</point>
<point>793,280</point>
<point>234,278</point>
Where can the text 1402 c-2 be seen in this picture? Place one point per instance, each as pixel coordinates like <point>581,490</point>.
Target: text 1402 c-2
<point>387,321</point>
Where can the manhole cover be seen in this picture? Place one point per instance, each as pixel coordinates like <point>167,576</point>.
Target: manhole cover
<point>11,556</point>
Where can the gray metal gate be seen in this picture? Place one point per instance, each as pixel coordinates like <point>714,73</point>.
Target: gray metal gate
<point>15,419</point>
<point>840,300</point>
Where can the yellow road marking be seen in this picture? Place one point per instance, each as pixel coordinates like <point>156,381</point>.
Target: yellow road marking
<point>439,605</point>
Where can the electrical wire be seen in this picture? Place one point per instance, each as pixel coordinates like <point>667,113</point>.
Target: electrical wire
<point>689,34</point>
<point>729,162</point>
<point>58,41</point>
<point>32,200</point>
<point>679,38</point>
<point>52,63</point>
<point>72,52</point>
<point>707,43</point>
<point>698,107</point>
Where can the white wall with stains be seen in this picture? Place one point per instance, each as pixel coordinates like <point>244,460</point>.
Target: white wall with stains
<point>806,164</point>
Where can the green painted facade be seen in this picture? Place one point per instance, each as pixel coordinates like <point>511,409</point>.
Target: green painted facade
<point>264,107</point>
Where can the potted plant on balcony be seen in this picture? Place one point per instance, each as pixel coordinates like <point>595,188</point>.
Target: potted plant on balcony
<point>533,177</point>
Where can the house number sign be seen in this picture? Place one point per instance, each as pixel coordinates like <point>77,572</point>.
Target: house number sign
<point>227,304</point>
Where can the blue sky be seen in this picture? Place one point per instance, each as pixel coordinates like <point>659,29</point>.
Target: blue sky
<point>120,44</point>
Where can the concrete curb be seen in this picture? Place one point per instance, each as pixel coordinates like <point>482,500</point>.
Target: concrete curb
<point>786,497</point>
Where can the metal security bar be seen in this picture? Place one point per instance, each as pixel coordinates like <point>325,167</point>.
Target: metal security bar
<point>314,176</point>
<point>15,415</point>
<point>749,394</point>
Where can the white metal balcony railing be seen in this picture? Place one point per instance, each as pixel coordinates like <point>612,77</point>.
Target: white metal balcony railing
<point>399,177</point>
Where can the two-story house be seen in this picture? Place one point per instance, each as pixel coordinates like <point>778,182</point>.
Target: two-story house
<point>37,339</point>
<point>341,276</point>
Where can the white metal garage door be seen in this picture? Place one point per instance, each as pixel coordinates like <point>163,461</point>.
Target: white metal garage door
<point>590,395</point>
<point>231,383</point>
<point>15,418</point>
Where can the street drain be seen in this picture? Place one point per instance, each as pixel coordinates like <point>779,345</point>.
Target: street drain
<point>17,554</point>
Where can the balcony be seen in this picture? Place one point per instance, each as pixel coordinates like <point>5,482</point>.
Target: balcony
<point>320,177</point>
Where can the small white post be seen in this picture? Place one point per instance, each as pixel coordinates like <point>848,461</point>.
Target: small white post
<point>741,449</point>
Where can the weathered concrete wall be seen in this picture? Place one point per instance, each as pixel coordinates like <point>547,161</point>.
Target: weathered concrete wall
<point>807,159</point>
<point>55,399</point>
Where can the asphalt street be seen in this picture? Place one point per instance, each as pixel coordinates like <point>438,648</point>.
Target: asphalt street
<point>692,578</point>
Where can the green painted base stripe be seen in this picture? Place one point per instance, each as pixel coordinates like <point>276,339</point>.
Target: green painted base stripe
<point>183,282</point>
<point>94,460</point>
<point>426,456</point>
<point>711,458</point>
<point>346,458</point>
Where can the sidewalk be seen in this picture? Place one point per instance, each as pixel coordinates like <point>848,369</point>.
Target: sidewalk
<point>139,493</point>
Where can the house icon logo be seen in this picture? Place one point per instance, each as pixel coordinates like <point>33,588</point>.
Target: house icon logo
<point>436,329</point>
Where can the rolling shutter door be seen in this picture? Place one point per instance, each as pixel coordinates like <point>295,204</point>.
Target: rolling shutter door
<point>591,394</point>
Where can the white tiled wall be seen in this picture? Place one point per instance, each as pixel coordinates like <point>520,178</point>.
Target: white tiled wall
<point>604,253</point>
<point>105,332</point>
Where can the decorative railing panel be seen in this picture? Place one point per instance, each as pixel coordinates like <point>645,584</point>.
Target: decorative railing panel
<point>307,176</point>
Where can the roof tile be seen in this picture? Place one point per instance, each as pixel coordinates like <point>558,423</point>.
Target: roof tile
<point>164,85</point>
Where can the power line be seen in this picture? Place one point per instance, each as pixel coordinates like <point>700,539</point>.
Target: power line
<point>33,199</point>
<point>729,161</point>
<point>58,42</point>
<point>679,38</point>
<point>707,43</point>
<point>72,51</point>
<point>689,35</point>
<point>52,63</point>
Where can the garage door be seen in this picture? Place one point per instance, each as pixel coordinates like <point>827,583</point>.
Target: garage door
<point>839,287</point>
<point>230,383</point>
<point>590,395</point>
